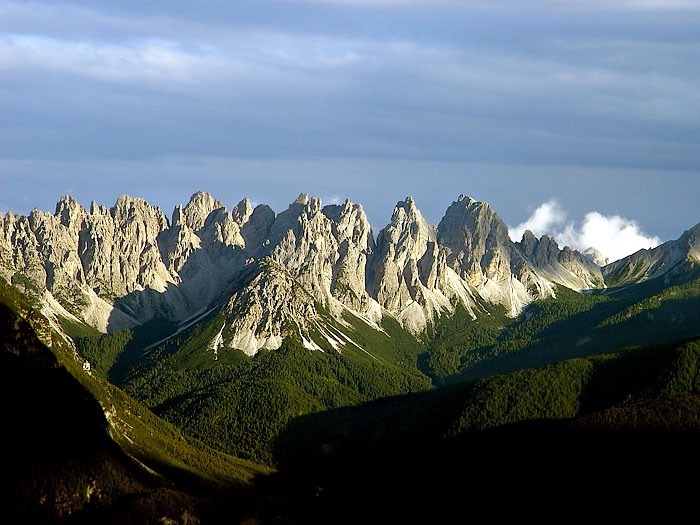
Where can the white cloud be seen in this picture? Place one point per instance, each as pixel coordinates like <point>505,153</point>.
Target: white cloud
<point>262,55</point>
<point>333,199</point>
<point>151,59</point>
<point>612,235</point>
<point>274,85</point>
<point>546,218</point>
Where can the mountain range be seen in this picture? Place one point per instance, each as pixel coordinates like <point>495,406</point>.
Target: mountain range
<point>222,346</point>
<point>120,267</point>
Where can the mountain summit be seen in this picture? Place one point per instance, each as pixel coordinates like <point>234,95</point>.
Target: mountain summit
<point>670,258</point>
<point>122,266</point>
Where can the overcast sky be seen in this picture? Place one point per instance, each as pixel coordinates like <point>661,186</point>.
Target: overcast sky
<point>556,107</point>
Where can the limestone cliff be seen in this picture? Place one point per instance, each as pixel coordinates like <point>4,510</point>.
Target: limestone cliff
<point>410,276</point>
<point>121,266</point>
<point>669,259</point>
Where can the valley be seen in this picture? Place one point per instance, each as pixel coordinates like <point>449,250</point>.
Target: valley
<point>234,362</point>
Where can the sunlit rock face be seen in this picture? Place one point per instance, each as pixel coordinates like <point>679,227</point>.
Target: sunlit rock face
<point>512,274</point>
<point>121,266</point>
<point>567,267</point>
<point>410,277</point>
<point>480,251</point>
<point>672,257</point>
<point>355,248</point>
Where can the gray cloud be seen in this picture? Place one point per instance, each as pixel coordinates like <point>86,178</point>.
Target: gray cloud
<point>396,99</point>
<point>340,96</point>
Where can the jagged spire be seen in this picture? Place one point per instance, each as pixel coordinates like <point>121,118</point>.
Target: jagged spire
<point>69,211</point>
<point>242,211</point>
<point>303,198</point>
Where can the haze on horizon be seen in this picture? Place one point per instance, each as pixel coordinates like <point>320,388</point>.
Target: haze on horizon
<point>553,111</point>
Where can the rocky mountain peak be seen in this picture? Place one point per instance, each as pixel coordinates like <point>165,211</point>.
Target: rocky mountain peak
<point>242,211</point>
<point>335,211</point>
<point>301,240</point>
<point>96,209</point>
<point>70,212</point>
<point>134,208</point>
<point>314,204</point>
<point>350,223</point>
<point>477,216</point>
<point>256,230</point>
<point>407,229</point>
<point>563,266</point>
<point>270,307</point>
<point>289,223</point>
<point>694,232</point>
<point>408,208</point>
<point>691,239</point>
<point>531,247</point>
<point>669,259</point>
<point>546,252</point>
<point>310,205</point>
<point>125,265</point>
<point>477,240</point>
<point>195,213</point>
<point>528,242</point>
<point>177,219</point>
<point>411,278</point>
<point>596,257</point>
<point>351,236</point>
<point>465,197</point>
<point>303,198</point>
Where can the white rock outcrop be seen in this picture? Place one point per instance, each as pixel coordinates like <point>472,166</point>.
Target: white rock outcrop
<point>668,259</point>
<point>121,266</point>
<point>410,277</point>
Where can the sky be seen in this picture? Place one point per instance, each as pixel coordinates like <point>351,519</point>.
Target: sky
<point>578,119</point>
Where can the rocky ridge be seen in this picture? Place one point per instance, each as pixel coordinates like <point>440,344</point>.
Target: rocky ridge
<point>121,266</point>
<point>670,258</point>
<point>410,276</point>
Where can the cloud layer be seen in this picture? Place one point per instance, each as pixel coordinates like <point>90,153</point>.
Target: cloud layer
<point>368,99</point>
<point>613,236</point>
<point>589,84</point>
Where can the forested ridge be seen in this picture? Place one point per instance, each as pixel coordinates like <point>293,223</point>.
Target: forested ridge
<point>240,404</point>
<point>596,368</point>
